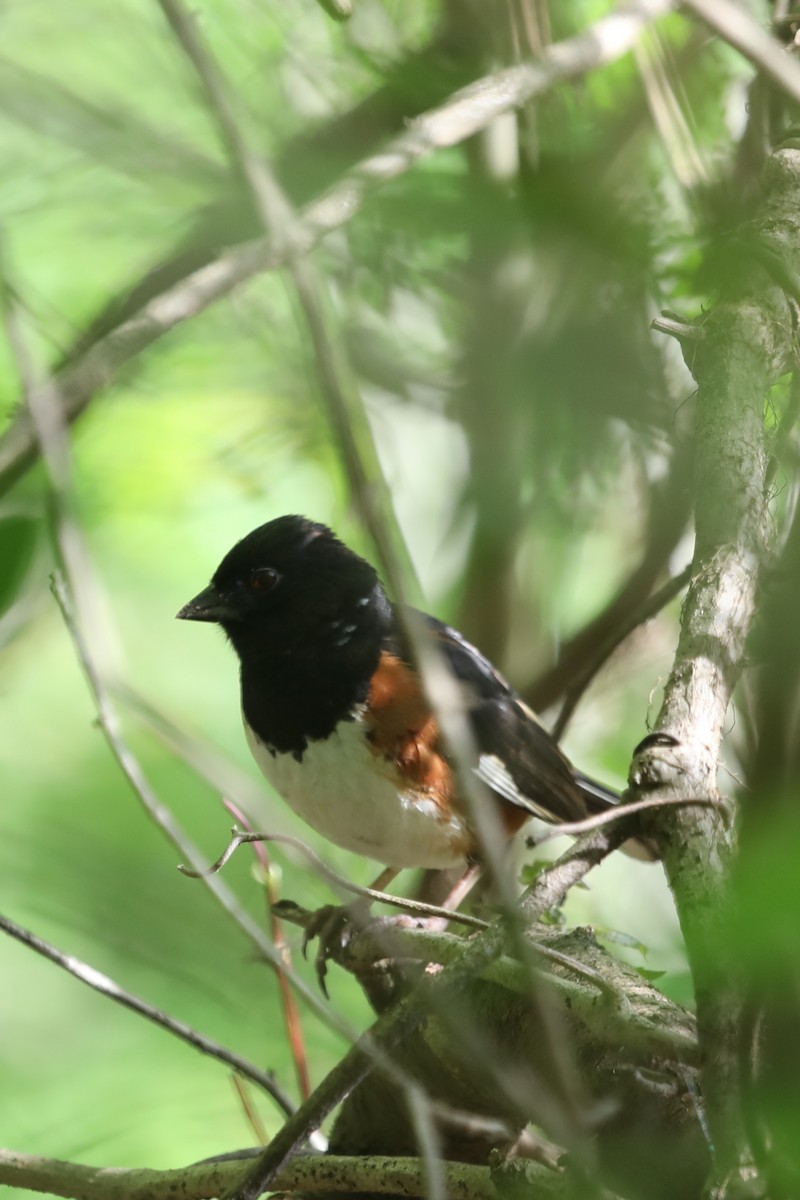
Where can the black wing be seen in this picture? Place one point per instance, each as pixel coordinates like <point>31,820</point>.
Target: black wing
<point>518,758</point>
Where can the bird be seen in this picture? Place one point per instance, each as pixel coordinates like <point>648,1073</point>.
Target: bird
<point>337,718</point>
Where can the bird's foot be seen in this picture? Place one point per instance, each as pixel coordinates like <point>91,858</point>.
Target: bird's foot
<point>332,925</point>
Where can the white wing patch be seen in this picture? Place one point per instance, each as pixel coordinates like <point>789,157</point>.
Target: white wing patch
<point>496,775</point>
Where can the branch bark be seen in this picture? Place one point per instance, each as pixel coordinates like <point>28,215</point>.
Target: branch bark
<point>636,1018</point>
<point>747,343</point>
<point>380,1174</point>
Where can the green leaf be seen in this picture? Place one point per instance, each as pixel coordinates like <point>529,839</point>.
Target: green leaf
<point>650,976</point>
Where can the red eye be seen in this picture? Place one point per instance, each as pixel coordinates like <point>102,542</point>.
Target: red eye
<point>264,579</point>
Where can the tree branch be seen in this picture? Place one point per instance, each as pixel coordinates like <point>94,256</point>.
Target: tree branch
<point>381,1175</point>
<point>635,1015</point>
<point>747,344</point>
<point>286,232</point>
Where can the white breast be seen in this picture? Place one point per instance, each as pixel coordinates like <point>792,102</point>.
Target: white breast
<point>337,789</point>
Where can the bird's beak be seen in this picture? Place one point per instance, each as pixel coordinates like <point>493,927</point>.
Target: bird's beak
<point>209,605</point>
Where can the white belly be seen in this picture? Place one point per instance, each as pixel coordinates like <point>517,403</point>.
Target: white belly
<point>338,791</point>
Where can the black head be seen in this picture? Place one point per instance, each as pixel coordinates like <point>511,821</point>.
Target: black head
<point>289,585</point>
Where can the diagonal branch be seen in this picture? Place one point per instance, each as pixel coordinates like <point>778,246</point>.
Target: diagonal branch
<point>739,29</point>
<point>286,233</point>
<point>308,163</point>
<point>604,650</point>
<point>240,837</point>
<point>106,986</point>
<point>584,654</point>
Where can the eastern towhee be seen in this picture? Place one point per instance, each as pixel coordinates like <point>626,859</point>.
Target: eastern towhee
<point>336,717</point>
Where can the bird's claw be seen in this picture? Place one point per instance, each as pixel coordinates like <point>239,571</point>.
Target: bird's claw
<point>332,925</point>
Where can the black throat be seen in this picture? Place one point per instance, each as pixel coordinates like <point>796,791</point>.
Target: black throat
<point>300,690</point>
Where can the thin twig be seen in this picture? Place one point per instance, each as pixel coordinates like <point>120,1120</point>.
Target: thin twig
<point>548,890</point>
<point>241,837</point>
<point>667,518</point>
<point>291,1013</point>
<point>639,616</point>
<point>251,1113</point>
<point>464,114</point>
<point>618,813</point>
<point>100,982</point>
